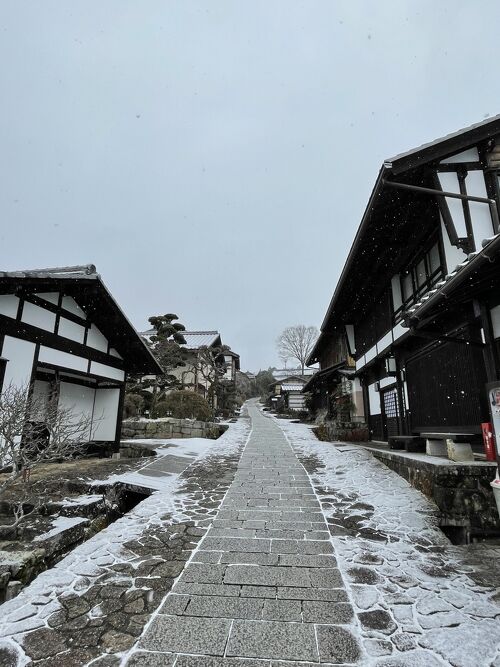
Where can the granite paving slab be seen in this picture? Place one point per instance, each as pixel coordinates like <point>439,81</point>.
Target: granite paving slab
<point>263,584</point>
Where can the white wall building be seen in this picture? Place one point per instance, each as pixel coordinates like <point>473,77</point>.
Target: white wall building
<point>63,336</point>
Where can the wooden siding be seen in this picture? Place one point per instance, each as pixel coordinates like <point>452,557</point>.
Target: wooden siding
<point>446,388</point>
<point>375,324</point>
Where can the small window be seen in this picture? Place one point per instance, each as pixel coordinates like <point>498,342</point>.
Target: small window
<point>407,287</point>
<point>434,259</point>
<point>421,273</point>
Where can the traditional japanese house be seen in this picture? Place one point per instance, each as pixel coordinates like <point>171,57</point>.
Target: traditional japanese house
<point>63,336</point>
<point>232,364</point>
<point>418,300</point>
<point>335,384</point>
<point>288,393</point>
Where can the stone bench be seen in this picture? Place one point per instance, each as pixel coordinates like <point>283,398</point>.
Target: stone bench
<point>411,443</point>
<point>455,446</point>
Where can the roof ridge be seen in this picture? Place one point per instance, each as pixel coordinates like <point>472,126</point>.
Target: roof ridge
<point>88,269</point>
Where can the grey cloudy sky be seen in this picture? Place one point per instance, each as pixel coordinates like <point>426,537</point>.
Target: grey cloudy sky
<point>214,158</point>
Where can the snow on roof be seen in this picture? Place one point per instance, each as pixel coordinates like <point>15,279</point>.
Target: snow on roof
<point>282,373</point>
<point>194,339</point>
<point>292,387</point>
<point>112,320</point>
<point>452,135</point>
<point>86,270</point>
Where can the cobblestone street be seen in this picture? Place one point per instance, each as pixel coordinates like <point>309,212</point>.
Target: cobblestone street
<point>265,586</point>
<point>278,552</point>
<point>264,582</point>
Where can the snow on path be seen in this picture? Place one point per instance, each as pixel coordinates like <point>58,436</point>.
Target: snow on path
<point>77,572</point>
<point>421,600</point>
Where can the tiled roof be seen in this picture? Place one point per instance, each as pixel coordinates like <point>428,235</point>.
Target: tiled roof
<point>452,135</point>
<point>66,272</point>
<point>196,339</point>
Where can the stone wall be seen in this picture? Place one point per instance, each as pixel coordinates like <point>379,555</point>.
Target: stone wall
<point>349,431</point>
<point>169,427</point>
<point>462,492</point>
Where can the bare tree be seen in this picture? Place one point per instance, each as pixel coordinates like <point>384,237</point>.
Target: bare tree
<point>297,343</point>
<point>34,431</point>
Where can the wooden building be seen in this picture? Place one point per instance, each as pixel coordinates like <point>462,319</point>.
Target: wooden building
<point>64,336</point>
<point>418,300</point>
<point>287,392</point>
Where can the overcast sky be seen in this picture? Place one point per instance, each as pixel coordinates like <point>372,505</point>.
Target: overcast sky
<point>214,158</point>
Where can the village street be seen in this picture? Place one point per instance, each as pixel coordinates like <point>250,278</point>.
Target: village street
<point>318,554</point>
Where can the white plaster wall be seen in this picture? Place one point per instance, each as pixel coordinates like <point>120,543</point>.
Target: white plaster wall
<point>384,342</point>
<point>470,155</point>
<point>107,371</point>
<point>68,303</point>
<point>9,304</point>
<point>357,399</point>
<point>50,356</point>
<point>371,354</point>
<point>38,317</point>
<point>360,362</point>
<point>96,340</point>
<point>71,330</point>
<point>479,213</point>
<point>385,382</point>
<point>20,355</point>
<point>79,400</point>
<point>453,255</point>
<point>495,321</point>
<point>374,400</point>
<point>105,413</point>
<point>449,183</point>
<point>41,396</point>
<point>396,292</point>
<point>405,388</point>
<point>53,297</point>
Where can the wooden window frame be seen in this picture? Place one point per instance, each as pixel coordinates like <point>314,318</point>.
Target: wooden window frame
<point>431,278</point>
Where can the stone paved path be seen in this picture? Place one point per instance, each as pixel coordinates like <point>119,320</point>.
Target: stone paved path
<point>264,584</point>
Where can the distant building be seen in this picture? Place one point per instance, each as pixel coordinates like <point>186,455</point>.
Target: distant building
<point>196,375</point>
<point>287,392</point>
<point>63,335</point>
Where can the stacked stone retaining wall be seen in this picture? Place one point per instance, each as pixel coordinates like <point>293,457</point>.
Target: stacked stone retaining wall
<point>169,427</point>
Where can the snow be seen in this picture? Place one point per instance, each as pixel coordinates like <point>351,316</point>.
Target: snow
<point>77,572</point>
<point>81,500</point>
<point>59,524</point>
<point>182,446</point>
<point>424,582</point>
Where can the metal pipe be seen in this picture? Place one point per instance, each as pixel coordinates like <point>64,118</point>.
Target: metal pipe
<point>440,193</point>
<point>454,195</point>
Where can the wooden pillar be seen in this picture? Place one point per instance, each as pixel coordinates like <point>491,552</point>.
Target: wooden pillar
<point>119,419</point>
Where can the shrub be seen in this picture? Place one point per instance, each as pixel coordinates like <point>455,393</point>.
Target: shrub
<point>132,405</point>
<point>185,405</point>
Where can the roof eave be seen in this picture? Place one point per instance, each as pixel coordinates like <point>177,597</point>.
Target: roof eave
<point>357,241</point>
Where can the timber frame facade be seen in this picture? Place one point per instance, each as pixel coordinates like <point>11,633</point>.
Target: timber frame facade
<point>418,299</point>
<point>64,338</point>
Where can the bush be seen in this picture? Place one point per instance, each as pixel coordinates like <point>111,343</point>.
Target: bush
<point>132,405</point>
<point>185,405</point>
<point>161,409</point>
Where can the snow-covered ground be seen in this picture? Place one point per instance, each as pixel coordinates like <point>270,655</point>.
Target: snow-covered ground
<point>421,601</point>
<point>78,571</point>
